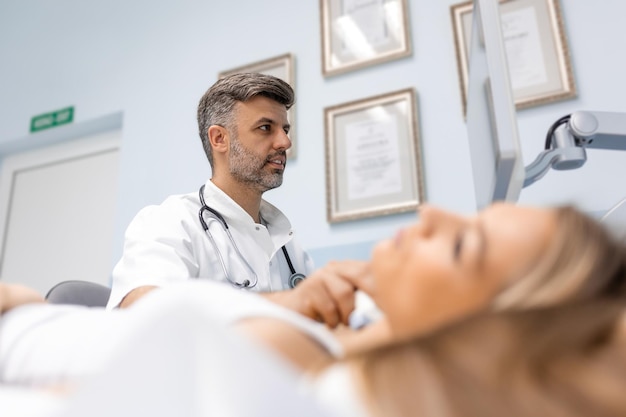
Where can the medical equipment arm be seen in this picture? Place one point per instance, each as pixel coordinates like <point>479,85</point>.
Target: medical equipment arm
<point>571,135</point>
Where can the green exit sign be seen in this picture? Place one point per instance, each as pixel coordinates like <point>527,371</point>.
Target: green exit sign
<point>52,119</point>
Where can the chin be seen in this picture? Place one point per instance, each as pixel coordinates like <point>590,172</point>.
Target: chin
<point>275,181</point>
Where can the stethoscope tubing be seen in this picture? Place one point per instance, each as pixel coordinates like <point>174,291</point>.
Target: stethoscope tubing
<point>294,278</point>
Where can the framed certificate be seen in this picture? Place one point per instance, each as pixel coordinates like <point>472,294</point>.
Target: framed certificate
<point>281,67</point>
<point>359,33</point>
<point>373,157</point>
<point>539,63</point>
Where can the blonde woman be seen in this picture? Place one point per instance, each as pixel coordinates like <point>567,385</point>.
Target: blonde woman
<point>534,331</point>
<point>440,271</point>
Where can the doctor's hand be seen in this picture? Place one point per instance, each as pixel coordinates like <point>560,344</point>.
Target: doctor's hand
<point>327,295</point>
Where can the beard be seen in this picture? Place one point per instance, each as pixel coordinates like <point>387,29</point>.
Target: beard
<point>248,168</point>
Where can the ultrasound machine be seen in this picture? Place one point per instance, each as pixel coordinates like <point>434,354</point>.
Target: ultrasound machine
<point>499,173</point>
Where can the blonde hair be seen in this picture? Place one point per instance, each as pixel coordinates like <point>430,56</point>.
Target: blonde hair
<point>559,361</point>
<point>582,261</point>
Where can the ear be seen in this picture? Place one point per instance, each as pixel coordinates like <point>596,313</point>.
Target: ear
<point>218,137</point>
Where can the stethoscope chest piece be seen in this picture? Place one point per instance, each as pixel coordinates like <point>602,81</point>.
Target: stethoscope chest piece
<point>295,279</point>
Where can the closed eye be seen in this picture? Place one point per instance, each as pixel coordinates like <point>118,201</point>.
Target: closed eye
<point>458,246</point>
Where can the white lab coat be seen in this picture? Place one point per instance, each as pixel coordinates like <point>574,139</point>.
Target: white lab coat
<point>166,243</point>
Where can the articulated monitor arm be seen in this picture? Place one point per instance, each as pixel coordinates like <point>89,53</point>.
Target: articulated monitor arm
<point>571,135</point>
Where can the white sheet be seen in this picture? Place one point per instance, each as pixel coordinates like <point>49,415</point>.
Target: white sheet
<point>173,354</point>
<point>52,344</point>
<point>26,402</point>
<point>180,363</point>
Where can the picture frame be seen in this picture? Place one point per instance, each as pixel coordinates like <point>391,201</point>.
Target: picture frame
<point>538,55</point>
<point>373,157</point>
<point>360,33</point>
<point>283,67</point>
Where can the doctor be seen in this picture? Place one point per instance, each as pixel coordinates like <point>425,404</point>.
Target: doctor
<point>225,231</point>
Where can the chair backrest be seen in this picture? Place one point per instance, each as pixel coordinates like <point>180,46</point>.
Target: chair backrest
<point>84,293</point>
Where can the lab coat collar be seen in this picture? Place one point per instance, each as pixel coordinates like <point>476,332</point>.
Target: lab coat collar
<point>235,214</point>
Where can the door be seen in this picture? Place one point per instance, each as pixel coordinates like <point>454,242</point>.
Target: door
<point>57,210</point>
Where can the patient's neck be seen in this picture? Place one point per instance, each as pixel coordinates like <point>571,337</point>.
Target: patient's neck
<point>288,341</point>
<point>374,335</point>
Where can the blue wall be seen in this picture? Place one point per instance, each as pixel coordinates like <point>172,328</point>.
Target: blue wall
<point>151,60</point>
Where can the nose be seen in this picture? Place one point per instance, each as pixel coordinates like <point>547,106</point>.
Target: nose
<point>282,141</point>
<point>434,218</point>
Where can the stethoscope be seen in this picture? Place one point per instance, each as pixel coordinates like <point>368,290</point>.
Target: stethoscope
<point>294,279</point>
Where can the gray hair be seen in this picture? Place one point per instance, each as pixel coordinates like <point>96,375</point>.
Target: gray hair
<point>217,105</point>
